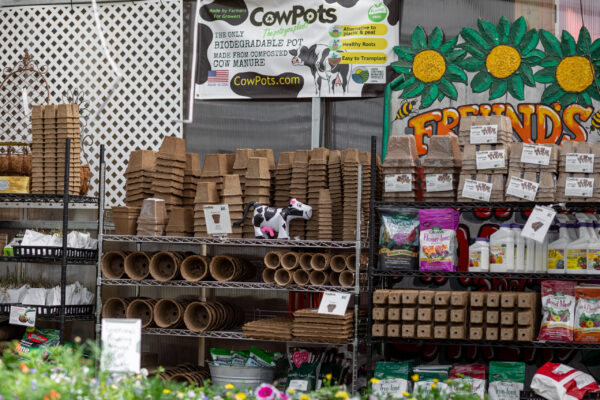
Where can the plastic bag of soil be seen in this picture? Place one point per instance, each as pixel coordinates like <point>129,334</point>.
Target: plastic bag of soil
<point>398,238</point>
<point>394,379</point>
<point>472,377</point>
<point>561,382</point>
<point>507,380</point>
<point>558,306</point>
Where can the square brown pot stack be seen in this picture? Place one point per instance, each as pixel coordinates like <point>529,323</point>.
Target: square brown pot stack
<point>441,166</point>
<point>299,190</point>
<point>324,217</point>
<point>268,154</point>
<point>546,181</point>
<point>317,180</point>
<point>497,181</point>
<point>241,164</point>
<point>181,222</point>
<point>153,218</point>
<point>400,169</point>
<point>232,196</point>
<point>206,193</point>
<point>37,150</point>
<point>334,174</point>
<point>524,162</point>
<point>365,161</point>
<point>577,180</point>
<point>125,219</point>
<point>215,167</point>
<point>283,179</point>
<point>139,176</point>
<point>350,162</point>
<point>258,189</point>
<point>50,149</point>
<point>169,171</point>
<point>192,175</point>
<point>68,126</point>
<point>504,128</point>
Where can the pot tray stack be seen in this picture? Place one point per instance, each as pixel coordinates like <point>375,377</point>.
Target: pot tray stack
<point>317,180</point>
<point>299,190</point>
<point>139,176</point>
<point>334,173</point>
<point>206,194</point>
<point>169,171</point>
<point>308,324</point>
<point>279,328</point>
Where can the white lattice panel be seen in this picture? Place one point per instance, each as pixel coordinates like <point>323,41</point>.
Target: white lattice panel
<point>145,39</point>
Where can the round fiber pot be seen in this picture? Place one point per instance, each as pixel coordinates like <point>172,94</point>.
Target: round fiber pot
<point>283,277</point>
<point>320,261</point>
<point>273,259</point>
<point>334,279</point>
<point>290,260</point>
<point>338,263</point>
<point>224,268</point>
<point>301,277</point>
<point>164,266</point>
<point>268,276</point>
<point>347,278</point>
<point>199,316</point>
<point>351,262</point>
<point>113,264</point>
<point>305,261</point>
<point>318,278</point>
<point>195,268</point>
<point>142,309</point>
<point>115,307</point>
<point>168,313</point>
<point>137,265</point>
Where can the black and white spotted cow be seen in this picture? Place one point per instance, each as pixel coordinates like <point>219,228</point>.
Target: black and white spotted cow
<point>316,58</point>
<point>268,220</point>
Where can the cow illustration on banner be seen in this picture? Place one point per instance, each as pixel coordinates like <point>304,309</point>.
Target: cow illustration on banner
<point>549,87</point>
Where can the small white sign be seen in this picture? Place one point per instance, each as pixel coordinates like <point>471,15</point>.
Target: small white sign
<point>538,223</point>
<point>477,190</point>
<point>522,188</point>
<point>217,218</point>
<point>579,162</point>
<point>536,154</point>
<point>438,182</point>
<point>484,134</point>
<point>24,316</point>
<point>579,187</point>
<point>121,345</point>
<point>398,183</point>
<point>334,303</point>
<point>299,385</point>
<point>489,159</point>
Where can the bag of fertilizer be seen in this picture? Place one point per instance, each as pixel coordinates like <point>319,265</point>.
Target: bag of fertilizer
<point>469,378</point>
<point>507,379</point>
<point>432,376</point>
<point>34,338</point>
<point>304,369</point>
<point>394,378</point>
<point>561,382</point>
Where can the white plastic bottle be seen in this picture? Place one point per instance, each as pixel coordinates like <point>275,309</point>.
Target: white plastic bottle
<point>577,251</point>
<point>479,255</point>
<point>550,237</point>
<point>530,255</point>
<point>557,251</point>
<point>593,251</point>
<point>519,248</point>
<point>502,249</point>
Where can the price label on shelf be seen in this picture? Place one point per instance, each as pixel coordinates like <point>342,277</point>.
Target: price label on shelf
<point>538,223</point>
<point>438,182</point>
<point>477,190</point>
<point>484,134</point>
<point>579,187</point>
<point>334,303</point>
<point>579,162</point>
<point>24,316</point>
<point>398,183</point>
<point>535,154</point>
<point>522,188</point>
<point>121,345</point>
<point>217,219</point>
<point>489,159</point>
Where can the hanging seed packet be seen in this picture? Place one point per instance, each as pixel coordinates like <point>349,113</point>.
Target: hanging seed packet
<point>394,379</point>
<point>507,379</point>
<point>558,306</point>
<point>399,239</point>
<point>587,314</point>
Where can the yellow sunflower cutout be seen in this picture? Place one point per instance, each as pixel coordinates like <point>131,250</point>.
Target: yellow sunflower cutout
<point>568,70</point>
<point>430,66</point>
<point>502,57</point>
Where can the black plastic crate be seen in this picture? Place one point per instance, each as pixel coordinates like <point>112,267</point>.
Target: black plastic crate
<point>54,252</point>
<point>49,311</point>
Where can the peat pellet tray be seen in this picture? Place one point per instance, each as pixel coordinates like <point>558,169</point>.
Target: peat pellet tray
<point>51,311</point>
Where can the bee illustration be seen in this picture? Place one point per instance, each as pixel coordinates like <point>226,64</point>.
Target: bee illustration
<point>596,121</point>
<point>405,109</point>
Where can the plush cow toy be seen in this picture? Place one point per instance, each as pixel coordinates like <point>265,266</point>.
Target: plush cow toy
<point>268,220</point>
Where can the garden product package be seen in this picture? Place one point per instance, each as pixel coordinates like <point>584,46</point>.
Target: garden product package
<point>399,239</point>
<point>438,240</point>
<point>507,379</point>
<point>254,357</point>
<point>474,375</point>
<point>35,338</point>
<point>587,314</point>
<point>394,378</point>
<point>561,382</point>
<point>558,305</point>
<point>427,374</point>
<point>304,368</point>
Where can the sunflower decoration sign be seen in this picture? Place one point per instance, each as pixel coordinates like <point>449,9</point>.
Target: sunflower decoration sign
<point>549,87</point>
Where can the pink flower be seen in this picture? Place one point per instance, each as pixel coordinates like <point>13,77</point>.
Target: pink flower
<point>284,396</point>
<point>266,392</point>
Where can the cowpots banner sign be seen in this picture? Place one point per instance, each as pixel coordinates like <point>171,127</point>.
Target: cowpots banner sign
<point>549,87</point>
<point>291,48</point>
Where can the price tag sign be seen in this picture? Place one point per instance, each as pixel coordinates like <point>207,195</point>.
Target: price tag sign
<point>535,154</point>
<point>477,190</point>
<point>579,162</point>
<point>522,188</point>
<point>334,303</point>
<point>398,183</point>
<point>24,316</point>
<point>484,134</point>
<point>438,182</point>
<point>579,187</point>
<point>121,345</point>
<point>538,223</point>
<point>299,385</point>
<point>490,159</point>
<point>217,218</point>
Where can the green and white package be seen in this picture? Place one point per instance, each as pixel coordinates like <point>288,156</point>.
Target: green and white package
<point>507,380</point>
<point>221,357</point>
<point>394,378</point>
<point>427,374</point>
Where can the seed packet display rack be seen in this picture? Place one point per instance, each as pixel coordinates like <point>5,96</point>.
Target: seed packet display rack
<point>221,245</point>
<point>63,255</point>
<point>377,279</point>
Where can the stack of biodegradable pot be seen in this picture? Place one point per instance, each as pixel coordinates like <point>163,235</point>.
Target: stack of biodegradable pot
<point>486,150</point>
<point>232,196</point>
<point>324,219</point>
<point>240,164</point>
<point>193,172</point>
<point>336,192</point>
<point>268,154</point>
<point>215,167</point>
<point>536,163</point>
<point>365,161</point>
<point>283,179</point>
<point>153,218</point>
<point>317,180</point>
<point>181,222</point>
<point>139,176</point>
<point>125,219</point>
<point>169,171</point>
<point>206,194</point>
<point>278,328</point>
<point>400,170</point>
<point>299,190</point>
<point>441,166</point>
<point>350,163</point>
<point>230,269</point>
<point>578,172</point>
<point>257,189</point>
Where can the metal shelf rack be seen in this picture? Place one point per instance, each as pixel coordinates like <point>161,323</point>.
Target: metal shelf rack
<point>472,206</point>
<point>491,343</point>
<point>47,260</point>
<point>483,275</point>
<point>28,200</point>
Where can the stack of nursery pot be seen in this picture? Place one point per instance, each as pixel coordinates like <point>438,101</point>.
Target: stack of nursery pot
<point>137,265</point>
<point>116,307</point>
<point>208,316</point>
<point>143,309</point>
<point>113,264</point>
<point>168,313</point>
<point>227,269</point>
<point>195,268</point>
<point>165,266</point>
<point>125,220</point>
